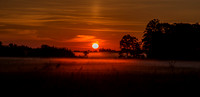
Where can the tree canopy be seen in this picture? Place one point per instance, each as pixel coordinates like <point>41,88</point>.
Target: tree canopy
<point>129,45</point>
<point>177,40</point>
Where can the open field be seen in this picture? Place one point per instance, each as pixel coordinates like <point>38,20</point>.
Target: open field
<point>100,77</point>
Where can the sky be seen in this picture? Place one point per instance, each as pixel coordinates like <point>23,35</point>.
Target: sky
<point>76,24</point>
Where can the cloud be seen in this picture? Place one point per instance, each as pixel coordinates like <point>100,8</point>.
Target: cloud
<point>19,34</point>
<point>85,38</point>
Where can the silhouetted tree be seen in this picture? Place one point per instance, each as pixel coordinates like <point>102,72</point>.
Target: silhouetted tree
<point>1,48</point>
<point>0,44</point>
<point>129,45</point>
<point>11,45</point>
<point>151,27</point>
<point>85,53</point>
<point>106,50</point>
<point>136,49</point>
<point>178,40</point>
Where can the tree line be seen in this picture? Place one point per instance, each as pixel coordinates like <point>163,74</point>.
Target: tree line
<point>160,41</point>
<point>165,41</point>
<point>13,50</point>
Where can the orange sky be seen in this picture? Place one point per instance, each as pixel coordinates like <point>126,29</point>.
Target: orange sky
<point>76,24</point>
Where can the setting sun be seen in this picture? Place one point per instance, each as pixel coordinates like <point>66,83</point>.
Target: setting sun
<point>95,46</point>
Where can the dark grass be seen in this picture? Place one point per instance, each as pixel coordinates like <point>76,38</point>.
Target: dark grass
<point>99,78</point>
<point>100,84</point>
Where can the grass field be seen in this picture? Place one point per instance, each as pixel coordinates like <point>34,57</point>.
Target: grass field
<point>101,77</point>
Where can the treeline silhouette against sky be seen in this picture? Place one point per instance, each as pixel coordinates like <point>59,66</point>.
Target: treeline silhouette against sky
<point>177,40</point>
<point>160,41</point>
<point>13,50</point>
<point>164,41</point>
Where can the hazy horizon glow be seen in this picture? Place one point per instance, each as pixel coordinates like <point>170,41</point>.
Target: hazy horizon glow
<point>77,24</point>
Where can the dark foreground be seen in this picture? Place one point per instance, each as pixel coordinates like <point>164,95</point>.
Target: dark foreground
<point>100,77</point>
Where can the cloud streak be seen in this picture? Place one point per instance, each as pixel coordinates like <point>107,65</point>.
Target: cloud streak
<point>85,38</point>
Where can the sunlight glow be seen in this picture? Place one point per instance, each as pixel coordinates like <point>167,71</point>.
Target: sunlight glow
<point>95,46</point>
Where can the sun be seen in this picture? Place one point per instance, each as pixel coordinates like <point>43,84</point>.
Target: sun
<point>95,46</point>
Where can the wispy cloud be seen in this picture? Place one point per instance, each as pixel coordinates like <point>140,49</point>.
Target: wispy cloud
<point>85,38</point>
